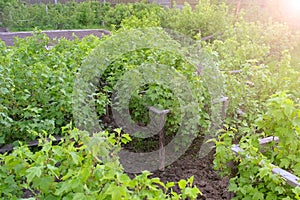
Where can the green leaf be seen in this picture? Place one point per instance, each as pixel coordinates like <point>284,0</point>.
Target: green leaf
<point>170,184</point>
<point>116,192</point>
<point>43,184</point>
<point>191,180</point>
<point>258,195</point>
<point>79,196</point>
<point>75,157</point>
<point>280,190</point>
<point>182,184</point>
<point>264,171</point>
<point>63,188</point>
<point>192,192</point>
<point>34,172</point>
<point>232,187</point>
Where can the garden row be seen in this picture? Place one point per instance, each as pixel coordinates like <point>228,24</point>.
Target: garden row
<point>92,14</point>
<point>36,86</point>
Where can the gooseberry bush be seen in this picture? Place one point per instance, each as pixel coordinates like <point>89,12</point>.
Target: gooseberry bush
<point>156,95</point>
<point>81,167</point>
<point>252,178</point>
<point>78,166</point>
<point>36,85</point>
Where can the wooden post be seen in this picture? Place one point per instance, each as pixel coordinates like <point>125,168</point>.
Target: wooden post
<point>225,103</point>
<point>162,152</point>
<point>238,7</point>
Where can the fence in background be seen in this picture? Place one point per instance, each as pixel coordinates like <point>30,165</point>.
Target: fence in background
<point>168,3</point>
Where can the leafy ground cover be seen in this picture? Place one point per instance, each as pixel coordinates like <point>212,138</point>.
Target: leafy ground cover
<point>70,170</point>
<point>260,67</point>
<point>252,178</point>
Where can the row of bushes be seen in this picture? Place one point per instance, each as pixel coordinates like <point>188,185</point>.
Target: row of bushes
<point>36,85</point>
<point>205,18</point>
<point>71,15</point>
<point>234,45</point>
<point>31,73</point>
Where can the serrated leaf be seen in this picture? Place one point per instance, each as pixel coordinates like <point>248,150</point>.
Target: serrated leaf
<point>34,172</point>
<point>74,157</point>
<point>264,171</point>
<point>43,183</point>
<point>258,195</point>
<point>64,187</point>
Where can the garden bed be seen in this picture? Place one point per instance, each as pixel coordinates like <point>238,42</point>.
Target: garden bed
<point>210,183</point>
<point>290,179</point>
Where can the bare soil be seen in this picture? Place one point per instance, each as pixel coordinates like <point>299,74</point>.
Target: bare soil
<point>206,178</point>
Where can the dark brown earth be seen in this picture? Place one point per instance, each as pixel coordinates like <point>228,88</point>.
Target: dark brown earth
<point>206,178</point>
<point>210,183</point>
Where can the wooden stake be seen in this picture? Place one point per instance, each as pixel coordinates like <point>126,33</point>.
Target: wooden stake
<point>162,152</point>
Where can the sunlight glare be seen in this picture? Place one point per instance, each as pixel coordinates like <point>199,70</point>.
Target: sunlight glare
<point>293,5</point>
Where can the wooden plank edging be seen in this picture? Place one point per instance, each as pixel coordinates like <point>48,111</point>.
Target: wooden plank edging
<point>34,143</point>
<point>290,178</point>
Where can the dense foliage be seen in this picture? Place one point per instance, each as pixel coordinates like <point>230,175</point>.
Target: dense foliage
<point>62,170</point>
<point>160,94</point>
<point>72,15</point>
<point>204,20</point>
<point>261,82</point>
<point>81,167</point>
<point>253,177</point>
<point>256,60</point>
<point>36,85</point>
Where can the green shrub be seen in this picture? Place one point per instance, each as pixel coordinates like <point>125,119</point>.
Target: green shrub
<point>205,19</point>
<point>37,84</point>
<point>155,93</point>
<point>281,119</point>
<point>81,167</point>
<point>72,15</point>
<point>252,178</point>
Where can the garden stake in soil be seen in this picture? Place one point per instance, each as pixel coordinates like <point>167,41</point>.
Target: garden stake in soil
<point>161,114</point>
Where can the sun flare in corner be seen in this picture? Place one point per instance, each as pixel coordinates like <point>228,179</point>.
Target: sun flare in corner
<point>293,6</point>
